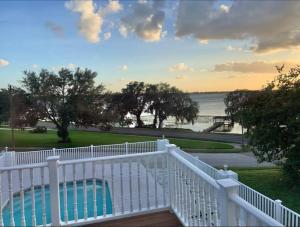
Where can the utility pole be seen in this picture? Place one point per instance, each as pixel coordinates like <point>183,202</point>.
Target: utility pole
<point>12,117</point>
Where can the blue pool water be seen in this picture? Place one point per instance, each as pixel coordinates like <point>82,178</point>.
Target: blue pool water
<point>70,200</point>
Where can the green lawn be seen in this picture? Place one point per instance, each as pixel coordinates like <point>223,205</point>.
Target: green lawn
<point>271,183</point>
<point>81,138</point>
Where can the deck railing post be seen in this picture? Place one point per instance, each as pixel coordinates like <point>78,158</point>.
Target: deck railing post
<point>54,190</point>
<point>6,149</point>
<point>226,208</point>
<point>225,173</point>
<point>278,216</point>
<point>126,147</point>
<point>9,158</point>
<point>92,151</point>
<point>53,152</point>
<point>162,144</point>
<point>170,148</point>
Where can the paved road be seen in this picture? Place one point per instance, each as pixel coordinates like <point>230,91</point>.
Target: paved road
<point>231,159</point>
<point>230,138</point>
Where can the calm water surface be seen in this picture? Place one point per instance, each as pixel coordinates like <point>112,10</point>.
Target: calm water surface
<point>210,104</point>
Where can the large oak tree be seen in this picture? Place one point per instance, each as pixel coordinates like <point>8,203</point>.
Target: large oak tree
<point>66,97</point>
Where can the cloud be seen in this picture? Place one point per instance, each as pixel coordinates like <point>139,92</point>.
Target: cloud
<point>181,67</point>
<point>113,6</point>
<point>91,19</point>
<point>268,25</point>
<point>107,35</point>
<point>55,28</point>
<point>224,8</point>
<point>3,62</point>
<point>232,48</point>
<point>124,68</point>
<point>146,20</point>
<point>250,67</point>
<point>34,66</point>
<point>181,77</point>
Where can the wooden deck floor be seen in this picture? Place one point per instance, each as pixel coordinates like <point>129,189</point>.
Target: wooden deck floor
<point>163,219</point>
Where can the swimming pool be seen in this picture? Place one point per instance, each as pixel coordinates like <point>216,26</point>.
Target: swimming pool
<point>70,202</point>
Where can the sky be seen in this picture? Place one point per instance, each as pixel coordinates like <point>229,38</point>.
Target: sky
<point>195,45</point>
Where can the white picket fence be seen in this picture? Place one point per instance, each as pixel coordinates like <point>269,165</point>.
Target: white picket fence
<point>159,177</point>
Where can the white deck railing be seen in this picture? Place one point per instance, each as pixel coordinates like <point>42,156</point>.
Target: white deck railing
<point>159,177</point>
<point>31,157</point>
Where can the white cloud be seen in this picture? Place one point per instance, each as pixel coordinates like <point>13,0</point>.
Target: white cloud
<point>107,35</point>
<point>268,24</point>
<point>232,48</point>
<point>251,67</point>
<point>145,20</point>
<point>91,19</point>
<point>123,30</point>
<point>203,41</point>
<point>71,66</point>
<point>113,6</point>
<point>124,68</point>
<point>3,62</point>
<point>224,8</point>
<point>181,77</point>
<point>180,67</point>
<point>34,66</point>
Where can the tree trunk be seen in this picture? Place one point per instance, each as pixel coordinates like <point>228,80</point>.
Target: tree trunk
<point>139,122</point>
<point>63,133</point>
<point>154,120</point>
<point>161,120</point>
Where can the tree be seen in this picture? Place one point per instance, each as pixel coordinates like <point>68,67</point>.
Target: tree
<point>66,97</point>
<point>133,100</point>
<point>24,115</point>
<point>272,119</point>
<point>165,101</point>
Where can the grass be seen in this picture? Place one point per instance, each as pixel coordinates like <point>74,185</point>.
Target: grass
<point>271,182</point>
<point>25,139</point>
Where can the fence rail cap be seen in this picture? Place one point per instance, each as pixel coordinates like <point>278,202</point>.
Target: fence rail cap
<point>51,158</point>
<point>228,183</point>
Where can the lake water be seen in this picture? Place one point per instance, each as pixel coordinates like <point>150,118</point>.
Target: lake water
<point>210,104</point>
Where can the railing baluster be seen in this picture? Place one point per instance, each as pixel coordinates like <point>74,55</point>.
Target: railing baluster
<point>94,190</point>
<point>130,186</point>
<point>11,198</point>
<point>85,213</point>
<point>155,181</point>
<point>112,187</point>
<point>103,188</point>
<point>23,222</point>
<point>214,206</point>
<point>198,201</point>
<point>208,203</point>
<point>44,217</point>
<point>1,215</point>
<point>193,200</point>
<point>164,167</point>
<point>33,218</point>
<point>65,194</point>
<point>202,203</point>
<point>138,161</point>
<point>122,189</point>
<point>147,182</point>
<point>75,193</point>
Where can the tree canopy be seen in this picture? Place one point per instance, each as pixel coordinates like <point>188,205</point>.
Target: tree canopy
<point>161,100</point>
<point>66,97</point>
<point>272,119</point>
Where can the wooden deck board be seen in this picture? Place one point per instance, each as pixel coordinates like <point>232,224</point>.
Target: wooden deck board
<point>164,219</point>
